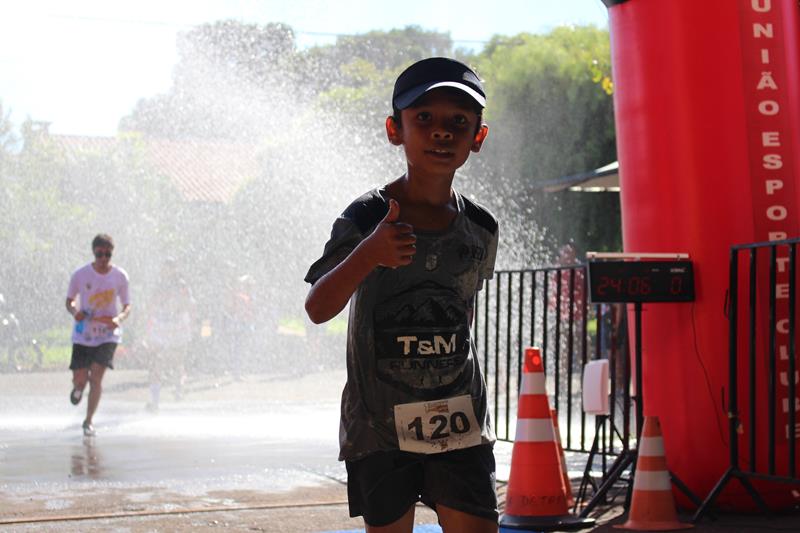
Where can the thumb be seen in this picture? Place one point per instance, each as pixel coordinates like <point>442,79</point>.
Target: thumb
<point>394,211</point>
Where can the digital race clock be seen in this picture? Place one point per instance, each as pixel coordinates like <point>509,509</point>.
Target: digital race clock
<point>641,281</point>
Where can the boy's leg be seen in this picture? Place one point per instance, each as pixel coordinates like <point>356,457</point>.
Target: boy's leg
<point>384,487</point>
<point>404,525</point>
<point>460,487</point>
<point>453,521</point>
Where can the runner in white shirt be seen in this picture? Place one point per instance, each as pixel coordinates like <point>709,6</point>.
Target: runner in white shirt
<point>92,300</point>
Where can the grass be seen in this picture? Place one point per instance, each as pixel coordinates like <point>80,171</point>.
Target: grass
<point>56,356</point>
<point>297,326</point>
<point>337,326</point>
<point>56,345</point>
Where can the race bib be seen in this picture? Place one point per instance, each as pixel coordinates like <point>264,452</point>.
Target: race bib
<point>437,426</point>
<point>97,330</point>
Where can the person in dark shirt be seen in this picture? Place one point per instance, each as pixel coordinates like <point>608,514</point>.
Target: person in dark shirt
<point>409,257</point>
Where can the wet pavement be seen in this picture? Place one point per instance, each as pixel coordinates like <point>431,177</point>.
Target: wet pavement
<point>257,454</point>
<point>225,444</point>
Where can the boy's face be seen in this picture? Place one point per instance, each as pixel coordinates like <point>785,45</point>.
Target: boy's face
<point>438,132</point>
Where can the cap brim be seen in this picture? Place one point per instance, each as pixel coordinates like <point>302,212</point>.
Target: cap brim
<point>407,98</point>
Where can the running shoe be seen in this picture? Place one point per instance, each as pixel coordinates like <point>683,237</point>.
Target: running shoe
<point>88,430</point>
<point>75,396</point>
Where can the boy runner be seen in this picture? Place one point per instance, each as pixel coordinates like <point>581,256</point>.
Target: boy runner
<point>410,258</point>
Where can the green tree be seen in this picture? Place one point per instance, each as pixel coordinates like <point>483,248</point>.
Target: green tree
<point>353,78</point>
<point>384,50</point>
<point>551,115</point>
<point>359,74</point>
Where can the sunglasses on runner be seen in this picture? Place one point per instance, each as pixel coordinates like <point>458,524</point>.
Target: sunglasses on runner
<point>98,255</point>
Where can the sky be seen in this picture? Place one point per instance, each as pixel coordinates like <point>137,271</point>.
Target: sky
<point>81,65</point>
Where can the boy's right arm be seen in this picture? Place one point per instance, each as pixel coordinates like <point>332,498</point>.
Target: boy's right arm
<point>391,244</point>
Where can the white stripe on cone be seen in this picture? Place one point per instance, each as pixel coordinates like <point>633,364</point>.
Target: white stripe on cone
<point>652,447</point>
<point>647,480</point>
<point>535,430</point>
<point>532,383</point>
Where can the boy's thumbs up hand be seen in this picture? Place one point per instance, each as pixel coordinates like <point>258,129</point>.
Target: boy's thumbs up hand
<point>391,243</point>
<point>393,215</point>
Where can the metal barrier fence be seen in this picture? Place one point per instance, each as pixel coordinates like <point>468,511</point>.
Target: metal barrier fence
<point>762,343</point>
<point>547,308</point>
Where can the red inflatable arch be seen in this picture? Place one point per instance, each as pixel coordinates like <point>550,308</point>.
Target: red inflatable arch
<point>707,106</point>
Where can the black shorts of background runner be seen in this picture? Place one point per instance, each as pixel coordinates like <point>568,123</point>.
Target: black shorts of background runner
<point>84,356</point>
<point>383,485</point>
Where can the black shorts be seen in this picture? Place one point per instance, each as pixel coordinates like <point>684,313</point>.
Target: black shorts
<point>383,485</point>
<point>84,356</point>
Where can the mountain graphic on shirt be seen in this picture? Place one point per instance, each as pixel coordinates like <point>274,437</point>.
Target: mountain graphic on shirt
<point>427,305</point>
<point>421,341</point>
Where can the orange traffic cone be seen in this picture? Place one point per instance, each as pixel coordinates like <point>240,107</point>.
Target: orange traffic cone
<point>535,496</point>
<point>652,504</point>
<point>564,473</point>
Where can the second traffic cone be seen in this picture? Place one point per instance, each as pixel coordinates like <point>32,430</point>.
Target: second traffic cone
<point>652,504</point>
<point>535,495</point>
<point>564,473</point>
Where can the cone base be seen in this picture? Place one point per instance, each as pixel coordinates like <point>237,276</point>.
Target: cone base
<point>546,523</point>
<point>638,525</point>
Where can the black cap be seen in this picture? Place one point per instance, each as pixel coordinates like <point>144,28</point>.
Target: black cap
<point>433,73</point>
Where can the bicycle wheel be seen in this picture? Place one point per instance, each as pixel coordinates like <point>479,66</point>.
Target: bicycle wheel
<point>25,357</point>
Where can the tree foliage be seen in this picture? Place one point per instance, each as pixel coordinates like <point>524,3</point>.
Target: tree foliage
<point>550,115</point>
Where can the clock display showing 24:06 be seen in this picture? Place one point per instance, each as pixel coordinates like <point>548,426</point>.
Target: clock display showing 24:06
<point>635,285</point>
<point>643,282</point>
